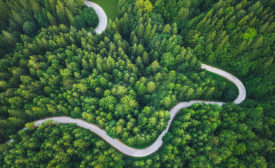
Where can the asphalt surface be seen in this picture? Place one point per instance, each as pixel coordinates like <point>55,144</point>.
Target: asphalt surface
<point>103,20</point>
<point>116,143</point>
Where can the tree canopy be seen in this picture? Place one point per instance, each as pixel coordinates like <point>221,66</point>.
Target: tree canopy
<point>126,80</point>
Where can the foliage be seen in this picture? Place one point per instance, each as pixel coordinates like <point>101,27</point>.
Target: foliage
<point>239,37</point>
<point>59,146</point>
<point>127,79</point>
<point>201,136</point>
<point>69,74</point>
<point>28,16</point>
<point>86,19</point>
<point>29,28</point>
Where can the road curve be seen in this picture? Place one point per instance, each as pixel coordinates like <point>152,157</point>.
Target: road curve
<point>116,143</point>
<point>102,17</point>
<point>242,92</point>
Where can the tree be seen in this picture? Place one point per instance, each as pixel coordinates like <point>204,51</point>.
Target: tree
<point>4,15</point>
<point>148,7</point>
<point>51,19</point>
<point>29,28</point>
<point>175,29</point>
<point>81,87</point>
<point>90,17</point>
<point>140,3</point>
<point>229,94</point>
<point>152,122</point>
<point>119,91</point>
<point>250,34</point>
<point>155,66</point>
<point>151,86</point>
<point>69,16</point>
<point>140,88</point>
<point>17,17</point>
<point>183,14</point>
<point>61,13</point>
<point>140,31</point>
<point>168,60</point>
<point>108,103</point>
<point>167,102</point>
<point>147,34</point>
<point>9,38</point>
<point>140,50</point>
<point>167,29</point>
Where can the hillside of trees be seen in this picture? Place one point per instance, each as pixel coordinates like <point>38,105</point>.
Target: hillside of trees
<point>72,73</point>
<point>201,136</point>
<point>127,79</point>
<point>235,35</point>
<point>29,16</point>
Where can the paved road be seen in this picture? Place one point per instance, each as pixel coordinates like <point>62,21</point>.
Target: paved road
<point>242,92</point>
<point>103,21</point>
<point>173,112</point>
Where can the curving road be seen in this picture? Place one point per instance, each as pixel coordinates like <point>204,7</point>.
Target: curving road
<point>242,92</point>
<point>102,17</point>
<point>173,112</point>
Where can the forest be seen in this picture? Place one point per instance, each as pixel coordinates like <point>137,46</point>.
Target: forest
<point>27,17</point>
<point>127,79</point>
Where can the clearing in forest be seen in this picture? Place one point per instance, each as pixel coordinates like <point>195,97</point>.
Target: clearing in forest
<point>109,6</point>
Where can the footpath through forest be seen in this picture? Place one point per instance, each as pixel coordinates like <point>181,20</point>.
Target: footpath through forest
<point>116,143</point>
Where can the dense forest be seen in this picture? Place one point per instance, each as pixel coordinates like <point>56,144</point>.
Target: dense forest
<point>29,16</point>
<point>93,77</point>
<point>242,31</point>
<point>126,80</point>
<point>201,136</point>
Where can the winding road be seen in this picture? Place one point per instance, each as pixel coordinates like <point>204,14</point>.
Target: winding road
<point>102,17</point>
<point>116,143</point>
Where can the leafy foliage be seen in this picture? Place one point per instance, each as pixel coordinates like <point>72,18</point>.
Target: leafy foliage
<point>239,31</point>
<point>127,79</point>
<point>28,16</point>
<point>69,74</point>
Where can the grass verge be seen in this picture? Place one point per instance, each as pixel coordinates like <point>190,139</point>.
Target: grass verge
<point>109,6</point>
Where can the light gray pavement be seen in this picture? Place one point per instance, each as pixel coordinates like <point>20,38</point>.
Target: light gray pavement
<point>242,92</point>
<point>173,112</point>
<point>102,17</point>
